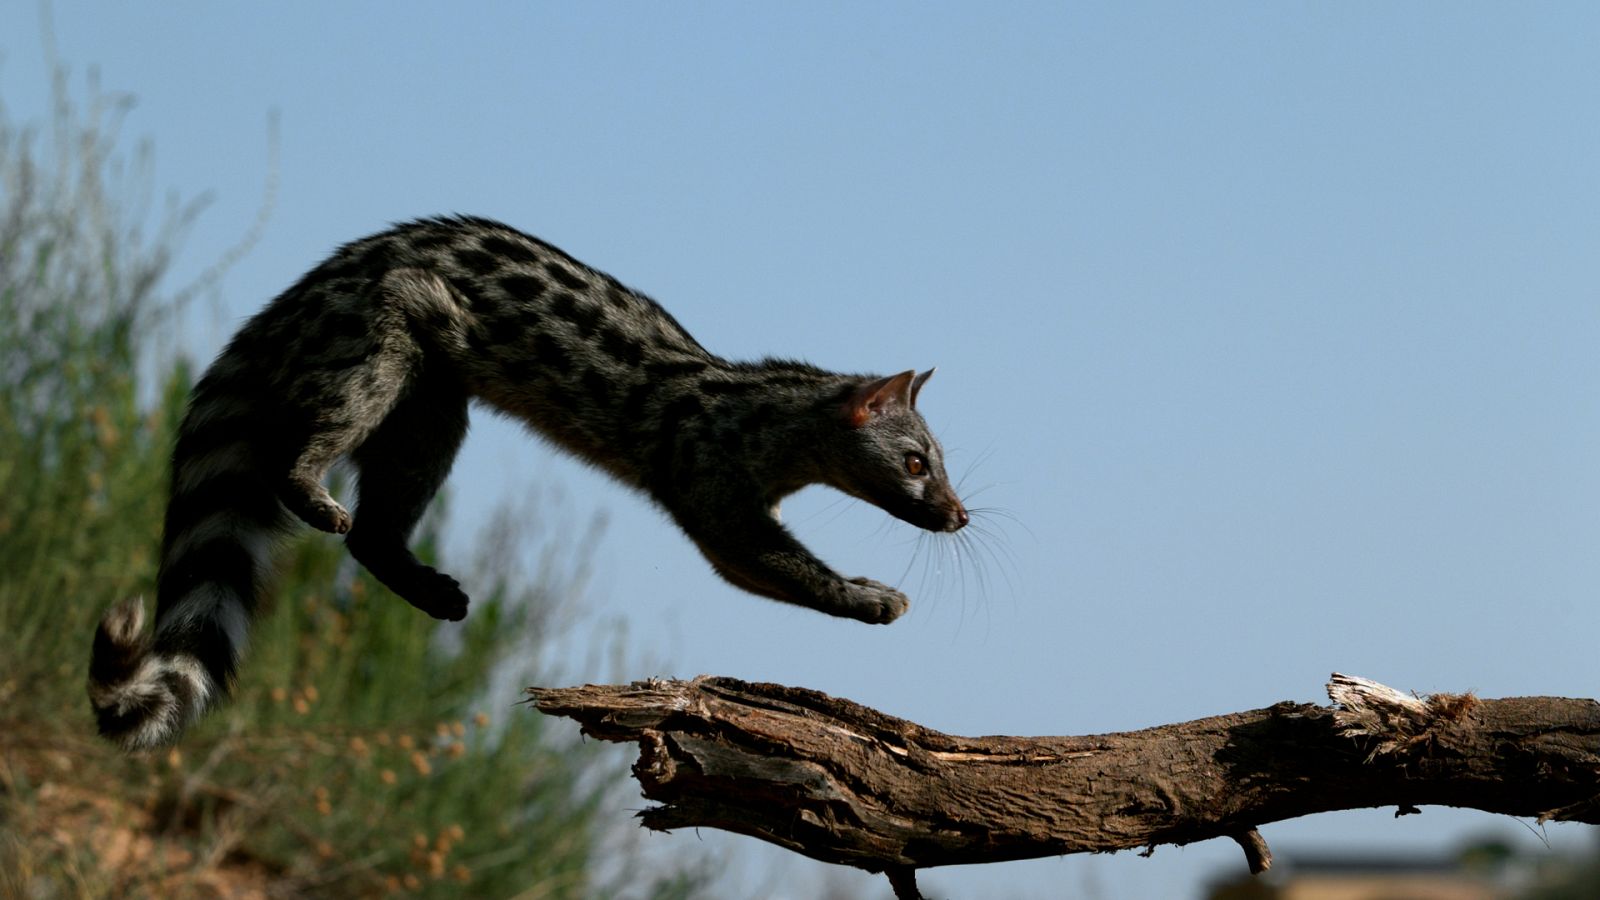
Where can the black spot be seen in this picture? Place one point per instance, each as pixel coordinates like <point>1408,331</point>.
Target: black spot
<point>349,265</point>
<point>675,369</point>
<point>508,329</point>
<point>681,408</point>
<point>565,277</point>
<point>583,316</point>
<point>426,239</point>
<point>632,408</point>
<point>560,398</point>
<point>476,261</point>
<point>549,352</point>
<point>431,240</point>
<point>521,369</point>
<point>341,266</point>
<point>664,456</point>
<point>757,419</point>
<point>482,336</point>
<point>507,249</point>
<point>710,386</point>
<point>618,296</point>
<point>521,287</point>
<point>620,347</point>
<point>436,319</point>
<point>343,285</point>
<point>598,388</point>
<point>465,291</point>
<point>840,394</point>
<point>785,379</point>
<point>375,258</point>
<point>343,325</point>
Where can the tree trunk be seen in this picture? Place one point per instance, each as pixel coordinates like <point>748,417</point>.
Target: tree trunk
<point>845,784</point>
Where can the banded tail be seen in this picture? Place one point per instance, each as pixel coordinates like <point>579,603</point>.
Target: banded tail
<point>220,525</point>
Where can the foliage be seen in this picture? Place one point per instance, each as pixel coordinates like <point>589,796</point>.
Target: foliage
<point>361,754</point>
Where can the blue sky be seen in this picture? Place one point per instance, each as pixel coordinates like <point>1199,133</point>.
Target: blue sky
<point>1275,325</point>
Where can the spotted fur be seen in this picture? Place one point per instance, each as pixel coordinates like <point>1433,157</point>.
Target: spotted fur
<point>374,355</point>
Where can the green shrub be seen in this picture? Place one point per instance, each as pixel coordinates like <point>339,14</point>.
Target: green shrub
<point>362,753</point>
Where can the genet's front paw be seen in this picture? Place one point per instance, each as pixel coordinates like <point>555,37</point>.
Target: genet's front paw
<point>433,592</point>
<point>874,602</point>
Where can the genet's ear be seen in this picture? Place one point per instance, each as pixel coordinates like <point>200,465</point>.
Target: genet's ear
<point>918,382</point>
<point>877,396</point>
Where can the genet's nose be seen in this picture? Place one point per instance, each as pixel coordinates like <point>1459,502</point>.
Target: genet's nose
<point>961,518</point>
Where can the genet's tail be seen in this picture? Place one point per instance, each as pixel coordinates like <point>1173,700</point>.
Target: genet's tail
<point>221,523</point>
<point>142,699</point>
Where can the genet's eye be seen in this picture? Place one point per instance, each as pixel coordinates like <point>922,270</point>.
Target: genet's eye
<point>916,464</point>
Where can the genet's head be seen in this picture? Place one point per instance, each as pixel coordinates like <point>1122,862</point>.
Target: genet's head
<point>895,463</point>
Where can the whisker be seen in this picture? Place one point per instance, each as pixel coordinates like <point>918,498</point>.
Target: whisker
<point>968,495</point>
<point>915,552</point>
<point>839,506</point>
<point>998,537</point>
<point>1004,561</point>
<point>1003,513</point>
<point>992,542</point>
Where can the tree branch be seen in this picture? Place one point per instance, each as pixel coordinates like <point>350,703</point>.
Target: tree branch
<point>845,784</point>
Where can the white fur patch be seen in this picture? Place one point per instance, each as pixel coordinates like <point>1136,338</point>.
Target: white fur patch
<point>147,688</point>
<point>124,621</point>
<point>213,601</point>
<point>256,540</point>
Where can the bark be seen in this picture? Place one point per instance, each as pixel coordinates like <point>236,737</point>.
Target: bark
<point>845,784</point>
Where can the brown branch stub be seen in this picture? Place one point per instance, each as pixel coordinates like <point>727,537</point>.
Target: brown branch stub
<point>903,881</point>
<point>1256,853</point>
<point>843,783</point>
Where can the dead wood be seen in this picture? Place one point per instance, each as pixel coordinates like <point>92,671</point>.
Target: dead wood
<point>846,784</point>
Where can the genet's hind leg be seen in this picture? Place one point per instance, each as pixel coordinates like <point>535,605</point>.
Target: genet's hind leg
<point>402,463</point>
<point>338,403</point>
<point>304,493</point>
